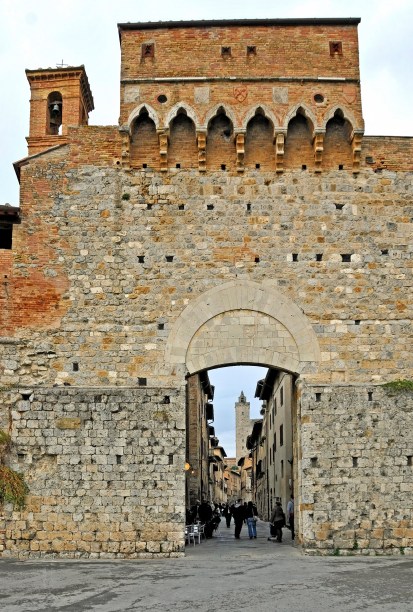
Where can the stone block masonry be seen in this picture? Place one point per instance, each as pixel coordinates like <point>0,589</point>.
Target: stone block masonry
<point>104,467</point>
<point>235,216</point>
<point>356,469</point>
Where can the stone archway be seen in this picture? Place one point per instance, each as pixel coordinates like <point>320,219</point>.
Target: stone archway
<point>243,322</point>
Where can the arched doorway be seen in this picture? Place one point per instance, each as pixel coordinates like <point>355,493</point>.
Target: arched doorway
<point>244,322</point>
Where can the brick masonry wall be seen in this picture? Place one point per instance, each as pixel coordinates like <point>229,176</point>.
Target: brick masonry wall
<point>105,469</point>
<point>295,51</point>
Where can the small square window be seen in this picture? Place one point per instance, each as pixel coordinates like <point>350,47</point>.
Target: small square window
<point>226,51</point>
<point>336,47</point>
<point>251,50</point>
<point>148,50</point>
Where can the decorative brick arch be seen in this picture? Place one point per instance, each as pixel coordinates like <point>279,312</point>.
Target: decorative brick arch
<point>243,322</point>
<point>308,114</point>
<point>268,114</point>
<point>175,110</point>
<point>136,111</point>
<point>346,115</point>
<point>214,111</point>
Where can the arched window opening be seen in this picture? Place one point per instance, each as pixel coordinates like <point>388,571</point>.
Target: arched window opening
<point>259,142</point>
<point>182,150</point>
<point>54,113</point>
<point>338,152</point>
<point>298,151</point>
<point>220,148</point>
<point>144,145</point>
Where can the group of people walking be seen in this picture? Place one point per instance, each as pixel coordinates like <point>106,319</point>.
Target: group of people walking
<point>247,513</point>
<point>242,513</point>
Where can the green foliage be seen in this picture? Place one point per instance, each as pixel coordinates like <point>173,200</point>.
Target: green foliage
<point>4,438</point>
<point>355,545</point>
<point>126,196</point>
<point>13,489</point>
<point>399,385</point>
<point>162,415</point>
<point>402,550</point>
<point>336,552</point>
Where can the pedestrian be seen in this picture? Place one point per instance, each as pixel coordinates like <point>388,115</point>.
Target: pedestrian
<point>251,516</point>
<point>205,517</point>
<point>277,522</point>
<point>290,515</point>
<point>238,513</point>
<point>194,511</point>
<point>227,514</point>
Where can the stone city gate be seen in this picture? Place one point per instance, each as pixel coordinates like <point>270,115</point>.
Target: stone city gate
<point>236,214</point>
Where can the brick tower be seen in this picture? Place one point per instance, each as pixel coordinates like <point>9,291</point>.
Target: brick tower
<point>60,97</point>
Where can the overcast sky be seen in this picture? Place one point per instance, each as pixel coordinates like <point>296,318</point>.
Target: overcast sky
<point>42,33</point>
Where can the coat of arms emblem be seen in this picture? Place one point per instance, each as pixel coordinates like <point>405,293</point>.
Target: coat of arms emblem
<point>240,93</point>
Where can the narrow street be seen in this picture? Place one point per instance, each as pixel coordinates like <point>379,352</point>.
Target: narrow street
<point>219,574</point>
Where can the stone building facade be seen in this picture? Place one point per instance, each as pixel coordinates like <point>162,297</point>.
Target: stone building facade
<point>236,215</point>
<point>199,416</point>
<point>276,441</point>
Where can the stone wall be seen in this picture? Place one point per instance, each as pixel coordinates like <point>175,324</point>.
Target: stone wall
<point>105,469</point>
<point>121,278</point>
<point>355,474</point>
<point>116,273</point>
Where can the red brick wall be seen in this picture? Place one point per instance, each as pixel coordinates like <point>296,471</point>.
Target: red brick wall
<point>259,144</point>
<point>298,145</point>
<point>337,147</point>
<point>220,149</point>
<point>144,146</point>
<point>182,147</point>
<point>281,50</point>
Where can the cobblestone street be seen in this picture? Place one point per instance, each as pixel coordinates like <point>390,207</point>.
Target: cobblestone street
<point>219,574</point>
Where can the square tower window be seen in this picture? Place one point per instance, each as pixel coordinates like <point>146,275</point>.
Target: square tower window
<point>226,51</point>
<point>336,47</point>
<point>148,50</point>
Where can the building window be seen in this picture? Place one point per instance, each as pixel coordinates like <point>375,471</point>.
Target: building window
<point>282,396</point>
<point>336,47</point>
<point>282,468</point>
<point>281,435</point>
<point>148,50</point>
<point>6,236</point>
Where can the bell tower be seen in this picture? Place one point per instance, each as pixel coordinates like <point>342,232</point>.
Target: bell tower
<point>60,97</point>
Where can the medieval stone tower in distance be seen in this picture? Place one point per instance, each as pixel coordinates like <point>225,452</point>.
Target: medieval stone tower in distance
<point>243,425</point>
<point>236,215</point>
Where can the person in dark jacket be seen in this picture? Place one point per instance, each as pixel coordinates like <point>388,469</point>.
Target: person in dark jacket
<point>251,516</point>
<point>227,514</point>
<point>277,522</point>
<point>205,516</point>
<point>238,513</point>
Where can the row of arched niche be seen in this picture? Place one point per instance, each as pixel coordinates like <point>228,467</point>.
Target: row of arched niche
<point>260,143</point>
